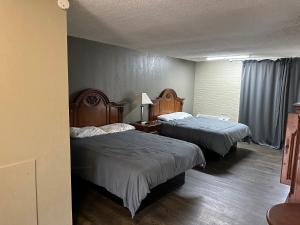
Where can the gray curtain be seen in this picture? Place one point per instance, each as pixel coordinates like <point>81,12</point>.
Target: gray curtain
<point>268,90</point>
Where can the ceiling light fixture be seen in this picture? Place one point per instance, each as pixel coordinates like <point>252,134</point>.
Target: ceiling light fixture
<point>233,57</point>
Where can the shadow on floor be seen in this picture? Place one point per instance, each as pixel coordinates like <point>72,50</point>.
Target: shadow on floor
<point>218,165</point>
<point>82,188</point>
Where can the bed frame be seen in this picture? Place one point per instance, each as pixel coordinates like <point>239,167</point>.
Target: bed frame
<point>92,107</point>
<point>167,102</point>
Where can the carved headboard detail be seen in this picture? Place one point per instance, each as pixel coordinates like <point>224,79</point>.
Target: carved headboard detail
<point>167,102</point>
<point>92,108</point>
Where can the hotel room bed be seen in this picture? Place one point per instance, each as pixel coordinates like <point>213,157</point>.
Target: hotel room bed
<point>210,134</point>
<point>128,164</point>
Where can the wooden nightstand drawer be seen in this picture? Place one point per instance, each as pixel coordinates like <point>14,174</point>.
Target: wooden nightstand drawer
<point>151,127</point>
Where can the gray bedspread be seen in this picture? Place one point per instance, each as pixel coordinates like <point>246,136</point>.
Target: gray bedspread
<point>212,134</point>
<point>129,164</point>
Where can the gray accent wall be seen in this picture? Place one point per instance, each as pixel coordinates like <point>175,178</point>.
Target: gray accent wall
<point>122,73</point>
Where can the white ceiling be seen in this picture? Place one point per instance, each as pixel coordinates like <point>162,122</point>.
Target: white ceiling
<point>191,29</point>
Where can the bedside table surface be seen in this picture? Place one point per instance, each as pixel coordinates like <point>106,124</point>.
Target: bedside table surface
<point>148,124</point>
<point>150,127</point>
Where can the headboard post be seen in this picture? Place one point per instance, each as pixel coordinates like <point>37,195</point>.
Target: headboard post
<point>166,102</point>
<point>92,107</point>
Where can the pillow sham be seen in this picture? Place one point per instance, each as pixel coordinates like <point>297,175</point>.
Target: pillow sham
<point>117,127</point>
<point>174,116</point>
<point>82,132</point>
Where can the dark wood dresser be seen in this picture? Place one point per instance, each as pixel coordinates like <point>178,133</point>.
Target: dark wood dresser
<point>290,172</point>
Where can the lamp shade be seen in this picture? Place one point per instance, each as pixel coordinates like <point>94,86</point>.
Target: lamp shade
<point>142,99</point>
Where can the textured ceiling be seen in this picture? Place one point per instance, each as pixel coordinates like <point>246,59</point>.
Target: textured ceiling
<point>191,29</point>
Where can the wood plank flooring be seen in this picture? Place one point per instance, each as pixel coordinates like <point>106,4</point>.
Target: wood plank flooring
<point>236,190</point>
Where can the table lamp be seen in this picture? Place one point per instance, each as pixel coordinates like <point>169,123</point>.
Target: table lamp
<point>142,99</point>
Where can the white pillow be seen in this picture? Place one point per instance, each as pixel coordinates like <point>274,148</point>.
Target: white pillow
<point>174,116</point>
<point>221,117</point>
<point>117,127</point>
<point>82,132</point>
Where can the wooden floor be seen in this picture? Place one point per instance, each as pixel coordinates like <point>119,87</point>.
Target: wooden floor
<point>236,190</point>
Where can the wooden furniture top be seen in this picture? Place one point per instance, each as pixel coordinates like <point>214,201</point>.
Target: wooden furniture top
<point>150,127</point>
<point>284,214</point>
<point>92,107</point>
<point>166,102</point>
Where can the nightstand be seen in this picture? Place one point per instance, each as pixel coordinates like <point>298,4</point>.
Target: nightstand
<point>152,127</point>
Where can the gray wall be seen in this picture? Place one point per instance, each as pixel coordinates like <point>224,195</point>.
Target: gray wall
<point>122,73</point>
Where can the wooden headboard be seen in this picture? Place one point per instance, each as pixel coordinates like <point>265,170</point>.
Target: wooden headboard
<point>167,102</point>
<point>92,108</point>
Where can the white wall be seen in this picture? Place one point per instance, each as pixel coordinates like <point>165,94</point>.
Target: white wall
<point>217,88</point>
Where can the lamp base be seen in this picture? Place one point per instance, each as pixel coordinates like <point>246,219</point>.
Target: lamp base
<point>142,113</point>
